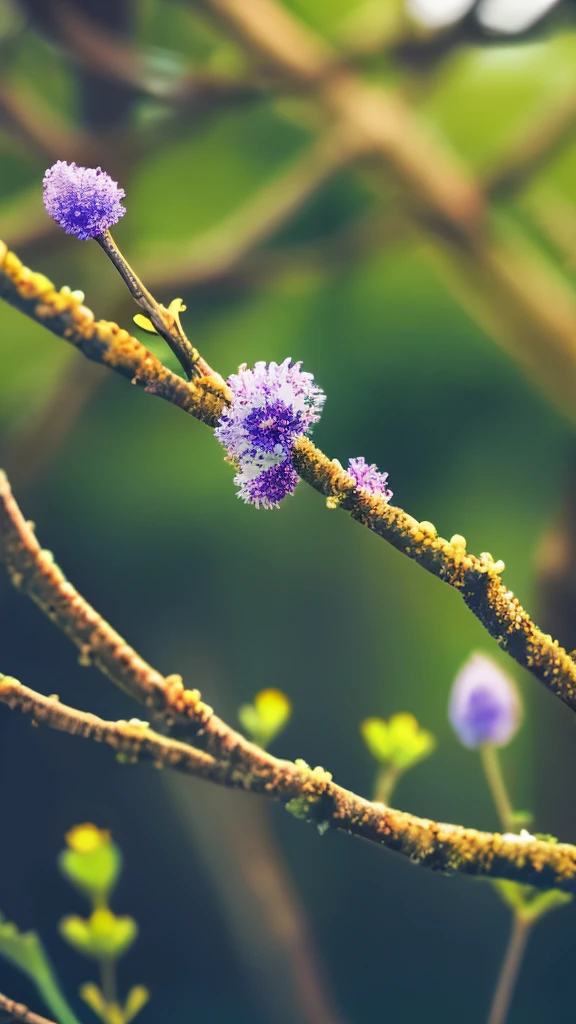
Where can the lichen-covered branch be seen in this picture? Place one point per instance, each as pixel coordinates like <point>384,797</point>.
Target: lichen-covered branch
<point>477,578</point>
<point>19,1012</point>
<point>34,571</point>
<point>63,313</point>
<point>312,795</point>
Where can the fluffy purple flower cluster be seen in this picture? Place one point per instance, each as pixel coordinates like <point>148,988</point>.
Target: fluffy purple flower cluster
<point>85,201</point>
<point>484,704</point>
<point>369,478</point>
<point>272,405</point>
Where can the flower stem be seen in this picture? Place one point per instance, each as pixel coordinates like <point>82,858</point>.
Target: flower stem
<point>385,784</point>
<point>510,969</point>
<point>497,786</point>
<point>166,324</point>
<point>108,980</point>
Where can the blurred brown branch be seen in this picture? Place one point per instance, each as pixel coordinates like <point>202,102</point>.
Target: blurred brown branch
<point>19,1012</point>
<point>509,288</point>
<point>35,126</point>
<point>552,128</point>
<point>32,450</point>
<point>217,253</point>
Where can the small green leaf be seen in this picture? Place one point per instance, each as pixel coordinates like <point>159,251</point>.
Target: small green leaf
<point>265,719</point>
<point>529,902</point>
<point>25,951</point>
<point>92,862</point>
<point>144,323</point>
<point>399,742</point>
<point>522,819</point>
<point>103,936</point>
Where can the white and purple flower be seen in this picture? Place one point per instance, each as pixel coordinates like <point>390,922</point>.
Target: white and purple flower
<point>272,405</point>
<point>85,201</point>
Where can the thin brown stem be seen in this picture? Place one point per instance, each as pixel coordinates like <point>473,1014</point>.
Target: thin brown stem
<point>19,1012</point>
<point>511,964</point>
<point>166,323</point>
<point>311,794</point>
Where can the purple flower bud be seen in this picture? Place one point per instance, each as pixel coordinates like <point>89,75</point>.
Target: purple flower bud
<point>85,201</point>
<point>272,405</point>
<point>369,478</point>
<point>484,704</point>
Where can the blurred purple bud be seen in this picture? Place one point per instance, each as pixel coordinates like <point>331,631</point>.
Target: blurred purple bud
<point>484,704</point>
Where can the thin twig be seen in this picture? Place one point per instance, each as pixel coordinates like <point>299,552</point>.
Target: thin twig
<point>119,59</point>
<point>311,794</point>
<point>19,1012</point>
<point>550,130</point>
<point>166,323</point>
<point>105,342</point>
<point>477,578</point>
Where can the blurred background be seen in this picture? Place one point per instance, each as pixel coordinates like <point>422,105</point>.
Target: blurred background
<point>428,281</point>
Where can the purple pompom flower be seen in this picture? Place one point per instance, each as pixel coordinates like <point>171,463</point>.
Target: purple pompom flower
<point>85,201</point>
<point>272,405</point>
<point>484,704</point>
<point>369,478</point>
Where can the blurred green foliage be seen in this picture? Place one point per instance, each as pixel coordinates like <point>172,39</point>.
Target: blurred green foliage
<point>140,509</point>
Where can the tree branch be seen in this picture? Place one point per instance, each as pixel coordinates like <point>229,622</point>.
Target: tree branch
<point>105,342</point>
<point>19,1012</point>
<point>311,794</point>
<point>476,578</point>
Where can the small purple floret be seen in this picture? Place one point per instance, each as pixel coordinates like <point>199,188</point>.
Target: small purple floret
<point>369,478</point>
<point>85,201</point>
<point>272,405</point>
<point>267,489</point>
<point>484,704</point>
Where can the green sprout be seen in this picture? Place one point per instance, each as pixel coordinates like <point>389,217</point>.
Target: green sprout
<point>398,745</point>
<point>92,862</point>
<point>267,717</point>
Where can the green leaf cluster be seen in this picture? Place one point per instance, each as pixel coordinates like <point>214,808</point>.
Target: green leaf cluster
<point>102,936</point>
<point>399,741</point>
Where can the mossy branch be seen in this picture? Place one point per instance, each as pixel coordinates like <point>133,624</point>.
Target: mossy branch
<point>440,847</point>
<point>477,578</point>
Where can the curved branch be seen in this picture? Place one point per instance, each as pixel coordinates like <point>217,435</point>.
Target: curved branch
<point>311,794</point>
<point>476,578</point>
